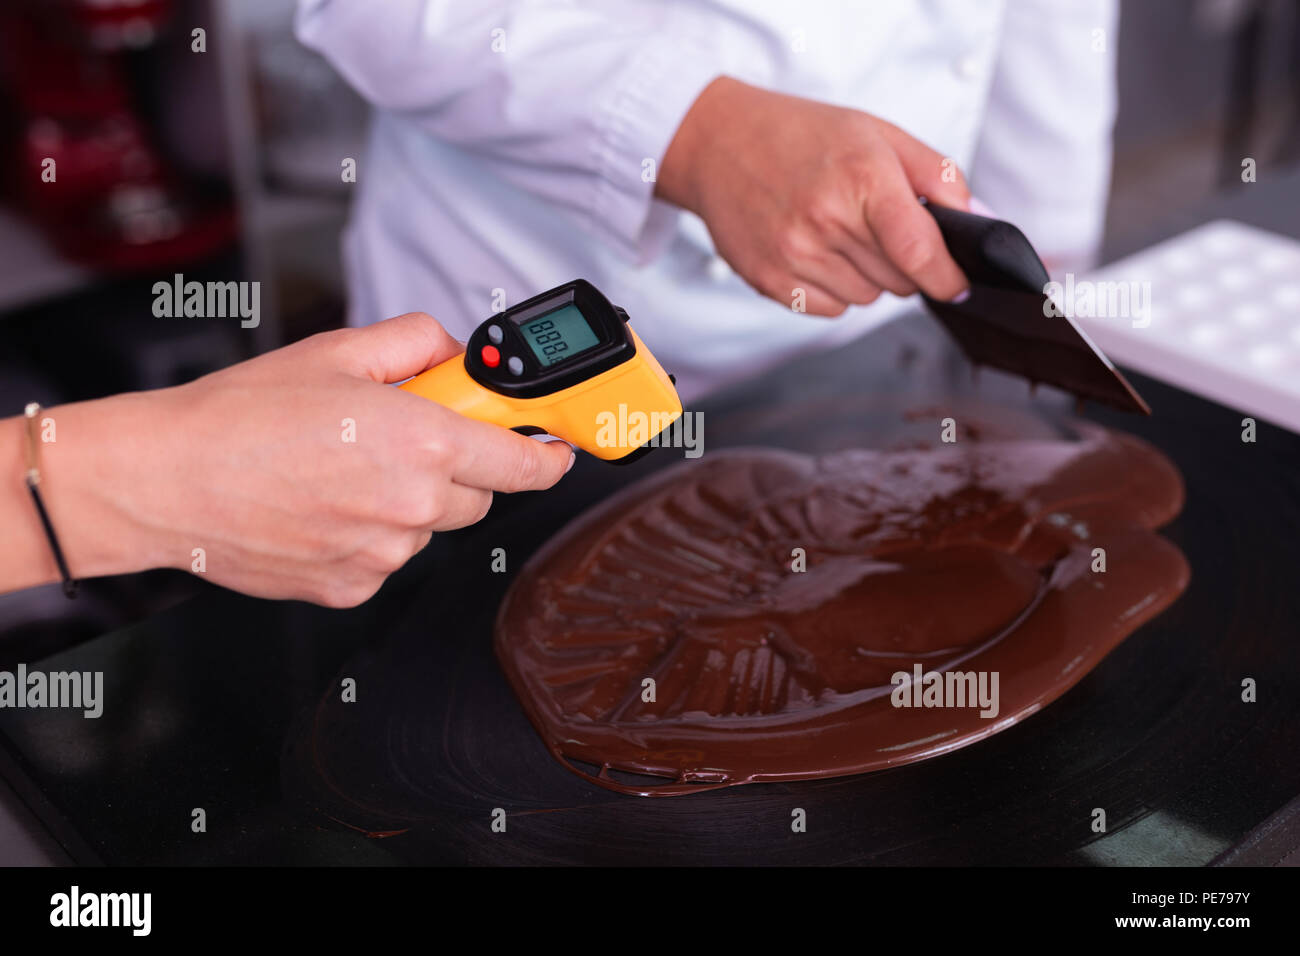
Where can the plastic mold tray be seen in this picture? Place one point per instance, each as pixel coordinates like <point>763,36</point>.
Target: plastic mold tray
<point>1224,314</point>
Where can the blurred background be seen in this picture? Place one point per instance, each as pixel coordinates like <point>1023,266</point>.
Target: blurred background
<point>224,164</point>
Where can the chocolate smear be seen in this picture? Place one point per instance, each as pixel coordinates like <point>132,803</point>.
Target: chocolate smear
<point>979,557</point>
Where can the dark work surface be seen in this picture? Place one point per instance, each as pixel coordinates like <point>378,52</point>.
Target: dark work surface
<point>230,704</point>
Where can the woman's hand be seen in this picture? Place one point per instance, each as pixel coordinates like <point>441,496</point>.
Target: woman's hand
<point>299,474</point>
<point>803,195</point>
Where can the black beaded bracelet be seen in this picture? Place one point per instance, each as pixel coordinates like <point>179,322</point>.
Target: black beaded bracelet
<point>33,481</point>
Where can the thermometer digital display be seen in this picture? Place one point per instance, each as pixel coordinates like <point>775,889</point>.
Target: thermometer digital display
<point>559,335</point>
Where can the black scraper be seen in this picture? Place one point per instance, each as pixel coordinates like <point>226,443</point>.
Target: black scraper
<point>1003,323</point>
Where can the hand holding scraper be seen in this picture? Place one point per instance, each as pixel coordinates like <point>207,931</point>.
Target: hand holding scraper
<point>1005,322</point>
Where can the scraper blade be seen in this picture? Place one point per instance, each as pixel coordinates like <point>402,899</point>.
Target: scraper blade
<point>1003,323</point>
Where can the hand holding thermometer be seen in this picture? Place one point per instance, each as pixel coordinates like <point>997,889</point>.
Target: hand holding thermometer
<point>561,362</point>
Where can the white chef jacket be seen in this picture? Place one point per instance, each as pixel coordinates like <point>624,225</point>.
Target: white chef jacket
<point>514,144</point>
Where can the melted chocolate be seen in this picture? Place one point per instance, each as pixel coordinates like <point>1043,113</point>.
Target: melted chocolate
<point>972,557</point>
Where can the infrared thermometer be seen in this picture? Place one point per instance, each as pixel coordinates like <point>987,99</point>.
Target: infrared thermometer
<point>566,363</point>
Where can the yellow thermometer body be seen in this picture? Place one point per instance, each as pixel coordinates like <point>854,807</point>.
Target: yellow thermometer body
<point>565,362</point>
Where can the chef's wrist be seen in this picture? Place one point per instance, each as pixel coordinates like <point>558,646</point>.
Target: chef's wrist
<point>26,560</point>
<point>685,162</point>
<point>90,456</point>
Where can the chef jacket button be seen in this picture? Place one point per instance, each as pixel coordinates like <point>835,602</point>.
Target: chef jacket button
<point>516,365</point>
<point>719,271</point>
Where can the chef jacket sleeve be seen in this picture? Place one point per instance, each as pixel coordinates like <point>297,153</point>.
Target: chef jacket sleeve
<point>572,102</point>
<point>1043,156</point>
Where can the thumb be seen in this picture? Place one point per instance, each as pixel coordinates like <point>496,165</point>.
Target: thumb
<point>395,349</point>
<point>931,174</point>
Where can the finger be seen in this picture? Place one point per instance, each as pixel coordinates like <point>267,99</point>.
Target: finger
<point>498,459</point>
<point>461,506</point>
<point>797,295</point>
<point>545,438</point>
<point>420,539</point>
<point>398,348</point>
<point>909,236</point>
<point>838,277</point>
<point>871,262</point>
<point>931,174</point>
<point>809,296</point>
<point>823,303</point>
